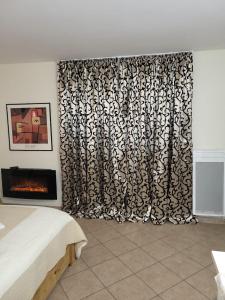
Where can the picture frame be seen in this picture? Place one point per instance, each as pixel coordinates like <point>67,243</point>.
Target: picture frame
<point>29,126</point>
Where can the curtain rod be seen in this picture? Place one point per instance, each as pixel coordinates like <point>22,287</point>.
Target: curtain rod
<point>125,56</point>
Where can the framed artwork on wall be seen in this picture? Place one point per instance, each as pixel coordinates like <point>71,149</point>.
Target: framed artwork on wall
<point>29,127</point>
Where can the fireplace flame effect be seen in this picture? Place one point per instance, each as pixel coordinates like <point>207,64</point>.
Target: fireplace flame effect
<point>30,187</point>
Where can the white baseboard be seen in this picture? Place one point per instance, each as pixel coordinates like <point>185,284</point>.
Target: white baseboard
<point>208,214</point>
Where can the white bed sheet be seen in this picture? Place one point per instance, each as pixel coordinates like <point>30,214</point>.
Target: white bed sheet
<point>32,248</point>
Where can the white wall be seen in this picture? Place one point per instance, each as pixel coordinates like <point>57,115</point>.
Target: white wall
<point>209,100</point>
<point>24,83</point>
<point>36,82</point>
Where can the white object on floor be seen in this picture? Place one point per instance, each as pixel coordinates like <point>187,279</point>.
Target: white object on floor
<point>219,262</point>
<point>2,226</point>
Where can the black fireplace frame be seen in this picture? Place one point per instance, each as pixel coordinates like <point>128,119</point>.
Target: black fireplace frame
<point>50,175</point>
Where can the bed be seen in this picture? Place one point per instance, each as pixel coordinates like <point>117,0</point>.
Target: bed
<point>219,263</point>
<point>37,244</point>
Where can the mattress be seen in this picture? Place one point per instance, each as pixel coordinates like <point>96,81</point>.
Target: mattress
<point>219,263</point>
<point>31,243</point>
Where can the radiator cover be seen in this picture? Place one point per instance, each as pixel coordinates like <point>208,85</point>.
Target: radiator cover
<point>208,183</point>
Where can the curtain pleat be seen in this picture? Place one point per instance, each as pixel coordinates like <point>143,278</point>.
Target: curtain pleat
<point>126,137</point>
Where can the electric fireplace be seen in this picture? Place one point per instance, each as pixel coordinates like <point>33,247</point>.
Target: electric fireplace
<point>29,183</point>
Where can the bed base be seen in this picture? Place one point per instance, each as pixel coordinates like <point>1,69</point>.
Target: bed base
<point>56,272</point>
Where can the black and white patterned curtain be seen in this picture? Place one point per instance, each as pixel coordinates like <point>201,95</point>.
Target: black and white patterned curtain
<point>126,137</point>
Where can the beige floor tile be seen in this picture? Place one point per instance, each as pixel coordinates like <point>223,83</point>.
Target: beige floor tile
<point>95,225</point>
<point>81,285</point>
<point>128,227</point>
<point>91,225</point>
<point>78,266</point>
<point>80,282</point>
<point>193,235</point>
<point>211,230</point>
<point>177,242</point>
<point>81,221</point>
<point>213,269</point>
<point>149,227</point>
<point>142,238</point>
<point>165,229</point>
<point>159,234</point>
<point>181,265</point>
<point>131,288</point>
<point>202,235</point>
<point>214,243</point>
<point>101,295</point>
<point>84,223</point>
<point>95,255</point>
<point>120,245</point>
<point>182,291</point>
<point>204,282</point>
<point>174,229</point>
<point>57,294</point>
<point>159,278</point>
<point>137,259</point>
<point>92,241</point>
<point>111,271</point>
<point>113,223</point>
<point>106,234</point>
<point>220,228</point>
<point>200,254</point>
<point>159,250</point>
<point>178,228</point>
<point>215,229</point>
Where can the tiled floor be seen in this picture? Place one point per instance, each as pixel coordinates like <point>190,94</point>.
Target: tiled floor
<point>138,261</point>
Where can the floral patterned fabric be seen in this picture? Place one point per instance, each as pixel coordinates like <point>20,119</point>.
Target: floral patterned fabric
<point>126,137</point>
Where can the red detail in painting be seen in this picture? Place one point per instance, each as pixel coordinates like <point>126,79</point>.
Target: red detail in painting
<point>29,125</point>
